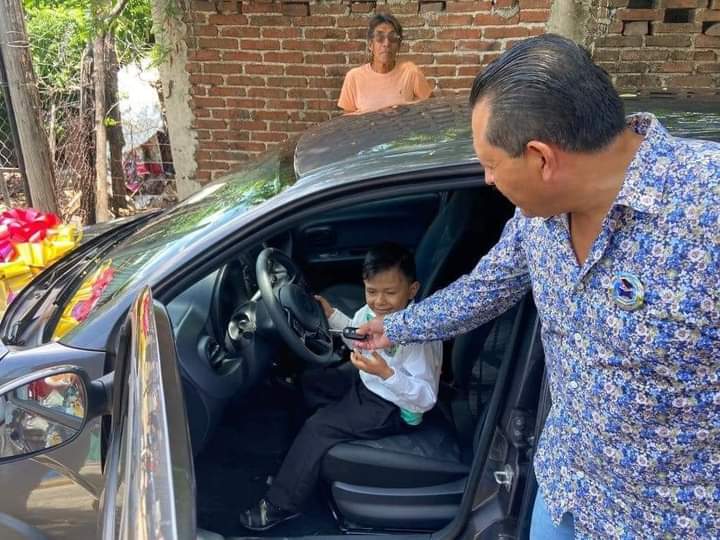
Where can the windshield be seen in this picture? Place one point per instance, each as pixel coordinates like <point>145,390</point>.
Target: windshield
<point>183,225</point>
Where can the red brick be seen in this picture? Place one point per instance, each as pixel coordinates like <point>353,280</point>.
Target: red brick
<point>304,70</point>
<point>288,82</point>
<point>296,10</point>
<point>328,9</point>
<point>193,67</point>
<point>209,124</point>
<point>209,102</point>
<point>360,7</point>
<point>411,34</point>
<point>505,32</point>
<point>323,104</point>
<point>241,56</point>
<point>433,46</point>
<point>252,125</point>
<point>199,5</point>
<point>627,14</point>
<point>535,4</point>
<point>229,20</point>
<point>260,44</point>
<point>432,7</point>
<point>246,102</point>
<point>487,19</point>
<point>205,31</point>
<point>458,82</point>
<point>644,54</point>
<point>203,54</point>
<point>675,67</point>
<point>284,57</point>
<point>341,46</point>
<point>714,4</point>
<point>205,79</point>
<point>226,91</point>
<point>636,28</point>
<point>692,81</point>
<point>707,42</point>
<point>290,32</point>
<point>261,7</point>
<point>220,67</point>
<point>310,116</point>
<point>476,45</point>
<point>256,92</point>
<point>325,58</point>
<point>271,115</point>
<point>203,134</point>
<point>459,6</point>
<point>269,20</point>
<point>711,67</point>
<point>231,135</point>
<point>201,113</point>
<point>454,20</point>
<point>314,20</point>
<point>606,55</point>
<point>459,33</point>
<point>705,56</point>
<point>352,21</point>
<point>676,4</point>
<point>668,40</point>
<point>535,15</point>
<point>269,136</point>
<point>306,93</point>
<point>240,31</point>
<point>245,80</point>
<point>302,45</point>
<point>326,33</point>
<point>229,114</point>
<point>441,71</point>
<point>264,69</point>
<point>675,28</point>
<point>218,43</point>
<point>284,104</point>
<point>457,59</point>
<point>293,127</point>
<point>707,15</point>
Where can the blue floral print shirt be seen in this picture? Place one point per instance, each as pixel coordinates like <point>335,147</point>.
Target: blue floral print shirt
<point>631,446</point>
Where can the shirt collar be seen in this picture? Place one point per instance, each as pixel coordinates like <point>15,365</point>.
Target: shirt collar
<point>644,183</point>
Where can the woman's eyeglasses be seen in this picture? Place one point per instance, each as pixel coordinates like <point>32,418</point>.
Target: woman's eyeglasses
<point>380,37</point>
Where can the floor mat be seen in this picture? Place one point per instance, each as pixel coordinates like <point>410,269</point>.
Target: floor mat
<point>232,472</point>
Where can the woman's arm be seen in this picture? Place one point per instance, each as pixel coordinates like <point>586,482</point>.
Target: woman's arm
<point>348,94</point>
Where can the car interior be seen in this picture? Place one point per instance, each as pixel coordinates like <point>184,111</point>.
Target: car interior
<point>241,374</point>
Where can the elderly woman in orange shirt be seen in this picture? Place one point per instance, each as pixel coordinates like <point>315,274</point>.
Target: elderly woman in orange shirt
<point>383,81</point>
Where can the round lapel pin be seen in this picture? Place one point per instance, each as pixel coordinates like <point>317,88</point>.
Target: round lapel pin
<point>627,291</point>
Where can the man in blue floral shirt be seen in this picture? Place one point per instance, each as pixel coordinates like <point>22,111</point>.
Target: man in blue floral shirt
<point>618,235</point>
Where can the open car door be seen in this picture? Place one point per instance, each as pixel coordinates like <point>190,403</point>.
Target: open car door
<point>149,487</point>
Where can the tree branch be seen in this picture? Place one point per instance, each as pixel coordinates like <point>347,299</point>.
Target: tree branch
<point>115,11</point>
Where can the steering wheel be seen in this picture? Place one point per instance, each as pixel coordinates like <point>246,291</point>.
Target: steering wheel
<point>298,317</point>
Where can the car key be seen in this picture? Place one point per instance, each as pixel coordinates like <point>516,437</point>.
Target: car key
<point>350,332</point>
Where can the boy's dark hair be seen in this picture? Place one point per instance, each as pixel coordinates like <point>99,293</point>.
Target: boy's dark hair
<point>386,256</point>
<point>380,18</point>
<point>547,88</point>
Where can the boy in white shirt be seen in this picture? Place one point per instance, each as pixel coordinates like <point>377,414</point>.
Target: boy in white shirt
<point>394,388</point>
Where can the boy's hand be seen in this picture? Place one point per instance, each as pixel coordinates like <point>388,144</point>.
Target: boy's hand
<point>374,364</point>
<point>327,308</point>
<point>375,332</point>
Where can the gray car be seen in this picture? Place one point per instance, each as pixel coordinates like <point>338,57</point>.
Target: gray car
<point>149,379</point>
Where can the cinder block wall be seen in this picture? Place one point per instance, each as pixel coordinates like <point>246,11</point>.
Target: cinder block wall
<point>261,70</point>
<point>662,45</point>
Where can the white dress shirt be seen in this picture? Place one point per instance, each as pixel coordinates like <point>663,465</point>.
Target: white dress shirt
<point>416,366</point>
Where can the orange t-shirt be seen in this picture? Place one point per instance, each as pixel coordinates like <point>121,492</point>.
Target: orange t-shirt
<point>365,90</point>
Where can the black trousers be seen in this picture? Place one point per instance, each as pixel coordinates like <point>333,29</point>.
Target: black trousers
<point>348,411</point>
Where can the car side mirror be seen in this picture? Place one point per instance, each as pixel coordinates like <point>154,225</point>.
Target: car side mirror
<point>47,409</point>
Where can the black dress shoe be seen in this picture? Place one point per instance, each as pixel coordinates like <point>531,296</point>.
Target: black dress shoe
<point>265,515</point>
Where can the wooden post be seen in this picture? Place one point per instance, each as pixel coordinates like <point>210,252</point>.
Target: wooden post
<point>34,146</point>
<point>102,212</point>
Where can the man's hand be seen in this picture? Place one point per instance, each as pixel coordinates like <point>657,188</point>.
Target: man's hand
<point>327,308</point>
<point>375,332</point>
<point>373,364</point>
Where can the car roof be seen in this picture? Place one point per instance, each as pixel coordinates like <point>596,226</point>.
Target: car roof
<point>436,133</point>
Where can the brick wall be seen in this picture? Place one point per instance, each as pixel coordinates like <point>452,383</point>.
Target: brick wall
<point>662,45</point>
<point>261,70</point>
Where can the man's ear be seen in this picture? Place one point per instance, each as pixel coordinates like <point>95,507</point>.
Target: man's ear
<point>414,288</point>
<point>547,157</point>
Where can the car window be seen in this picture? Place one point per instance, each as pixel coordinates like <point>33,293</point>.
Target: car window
<point>185,224</point>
